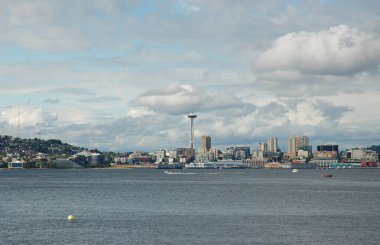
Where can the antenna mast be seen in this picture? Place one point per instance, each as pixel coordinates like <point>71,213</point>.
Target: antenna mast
<point>18,123</point>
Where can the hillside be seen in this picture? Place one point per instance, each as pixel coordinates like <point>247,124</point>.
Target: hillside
<point>23,147</point>
<point>374,148</point>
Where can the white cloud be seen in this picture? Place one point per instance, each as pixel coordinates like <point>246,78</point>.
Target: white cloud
<point>27,116</point>
<point>138,112</point>
<point>340,50</point>
<point>184,98</point>
<point>305,114</point>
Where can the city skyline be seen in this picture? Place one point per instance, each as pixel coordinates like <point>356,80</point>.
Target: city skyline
<point>124,75</point>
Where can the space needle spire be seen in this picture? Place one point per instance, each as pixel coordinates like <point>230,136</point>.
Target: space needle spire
<point>192,116</point>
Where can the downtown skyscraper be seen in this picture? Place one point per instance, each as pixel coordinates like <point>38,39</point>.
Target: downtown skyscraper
<point>272,144</point>
<point>205,144</point>
<point>298,143</point>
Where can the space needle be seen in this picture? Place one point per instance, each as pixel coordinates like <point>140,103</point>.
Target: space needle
<point>191,116</point>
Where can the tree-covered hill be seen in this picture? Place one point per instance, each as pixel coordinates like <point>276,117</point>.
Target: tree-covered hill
<point>375,148</point>
<point>10,145</point>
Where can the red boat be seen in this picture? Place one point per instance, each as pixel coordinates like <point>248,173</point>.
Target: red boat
<point>327,175</point>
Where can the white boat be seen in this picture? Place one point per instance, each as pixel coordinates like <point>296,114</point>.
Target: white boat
<point>295,171</point>
<point>168,172</point>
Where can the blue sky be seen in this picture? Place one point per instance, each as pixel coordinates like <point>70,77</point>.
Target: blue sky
<point>122,75</point>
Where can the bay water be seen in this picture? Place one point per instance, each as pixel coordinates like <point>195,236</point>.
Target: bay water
<point>153,206</point>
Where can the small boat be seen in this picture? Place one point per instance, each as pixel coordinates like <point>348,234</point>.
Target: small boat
<point>327,175</point>
<point>295,171</point>
<point>169,172</point>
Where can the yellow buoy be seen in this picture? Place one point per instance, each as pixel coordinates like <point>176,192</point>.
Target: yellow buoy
<point>71,217</point>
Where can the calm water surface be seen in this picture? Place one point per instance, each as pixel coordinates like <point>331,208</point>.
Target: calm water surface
<point>190,207</point>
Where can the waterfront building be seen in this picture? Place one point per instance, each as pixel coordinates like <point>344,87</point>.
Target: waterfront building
<point>236,153</point>
<point>274,156</point>
<point>228,155</point>
<point>272,165</point>
<point>255,163</point>
<point>96,158</point>
<point>184,152</point>
<point>302,154</point>
<point>217,154</point>
<point>205,157</point>
<point>285,165</point>
<point>121,158</point>
<point>302,163</point>
<point>344,165</point>
<point>240,154</point>
<point>325,162</point>
<point>15,164</point>
<point>184,155</point>
<point>82,158</point>
<point>139,159</point>
<point>152,156</point>
<point>173,154</point>
<point>359,155</point>
<point>372,156</point>
<point>326,156</point>
<point>88,158</point>
<point>258,154</point>
<point>272,144</point>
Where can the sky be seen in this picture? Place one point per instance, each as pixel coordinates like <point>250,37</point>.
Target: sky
<point>122,75</point>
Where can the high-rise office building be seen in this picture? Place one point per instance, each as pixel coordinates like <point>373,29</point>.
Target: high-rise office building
<point>298,143</point>
<point>263,147</point>
<point>272,144</point>
<point>205,144</point>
